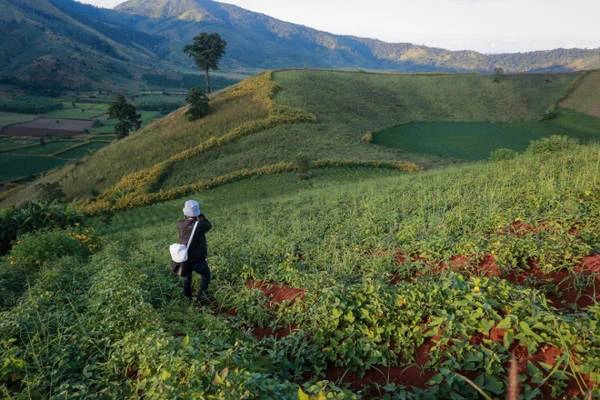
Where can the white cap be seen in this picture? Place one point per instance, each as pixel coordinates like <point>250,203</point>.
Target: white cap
<point>191,208</point>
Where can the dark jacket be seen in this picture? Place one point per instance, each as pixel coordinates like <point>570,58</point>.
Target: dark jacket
<point>197,250</point>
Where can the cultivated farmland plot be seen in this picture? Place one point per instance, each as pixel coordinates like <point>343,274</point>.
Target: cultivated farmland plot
<point>350,283</point>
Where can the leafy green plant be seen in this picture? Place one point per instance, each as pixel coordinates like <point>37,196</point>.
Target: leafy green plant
<point>35,249</point>
<point>551,144</point>
<point>197,101</point>
<point>33,216</point>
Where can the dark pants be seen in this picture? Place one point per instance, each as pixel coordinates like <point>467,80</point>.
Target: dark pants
<point>201,268</point>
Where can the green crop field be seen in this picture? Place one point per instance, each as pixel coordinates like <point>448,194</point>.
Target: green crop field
<point>355,283</point>
<point>7,143</point>
<point>47,149</point>
<point>476,140</point>
<point>82,150</point>
<point>80,111</point>
<point>13,166</point>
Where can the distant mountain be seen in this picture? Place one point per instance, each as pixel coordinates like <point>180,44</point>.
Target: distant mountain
<point>63,44</point>
<point>259,41</point>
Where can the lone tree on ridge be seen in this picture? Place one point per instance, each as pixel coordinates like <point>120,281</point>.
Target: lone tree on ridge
<point>129,119</point>
<point>206,50</point>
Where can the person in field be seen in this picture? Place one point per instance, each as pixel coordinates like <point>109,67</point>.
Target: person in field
<point>197,250</point>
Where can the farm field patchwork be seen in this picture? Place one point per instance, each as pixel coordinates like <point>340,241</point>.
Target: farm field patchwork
<point>476,140</point>
<point>79,111</point>
<point>9,118</point>
<point>16,166</point>
<point>16,154</point>
<point>52,127</point>
<point>350,283</point>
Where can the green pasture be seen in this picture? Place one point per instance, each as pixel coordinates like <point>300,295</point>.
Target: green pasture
<point>14,166</point>
<point>476,140</point>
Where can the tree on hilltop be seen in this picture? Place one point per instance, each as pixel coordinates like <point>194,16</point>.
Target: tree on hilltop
<point>206,50</point>
<point>126,114</point>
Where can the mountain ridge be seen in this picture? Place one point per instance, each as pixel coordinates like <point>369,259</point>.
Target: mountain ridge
<point>375,53</point>
<point>66,45</point>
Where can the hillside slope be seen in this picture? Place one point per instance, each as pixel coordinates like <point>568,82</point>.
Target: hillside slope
<point>62,44</point>
<point>354,282</point>
<point>586,97</point>
<point>273,118</point>
<point>259,41</point>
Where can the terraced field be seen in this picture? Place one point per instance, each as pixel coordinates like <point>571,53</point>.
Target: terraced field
<point>351,284</point>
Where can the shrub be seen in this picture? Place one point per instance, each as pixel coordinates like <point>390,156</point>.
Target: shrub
<point>35,249</point>
<point>551,144</point>
<point>51,191</point>
<point>31,217</point>
<point>367,137</point>
<point>198,102</point>
<point>503,154</point>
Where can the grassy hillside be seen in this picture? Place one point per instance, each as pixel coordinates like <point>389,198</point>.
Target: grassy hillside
<point>586,97</point>
<point>417,282</point>
<point>260,123</point>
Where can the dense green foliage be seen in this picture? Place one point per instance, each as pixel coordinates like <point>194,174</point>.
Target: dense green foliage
<point>29,104</point>
<point>551,144</point>
<point>198,106</point>
<point>206,50</point>
<point>31,217</point>
<point>116,326</point>
<point>126,115</point>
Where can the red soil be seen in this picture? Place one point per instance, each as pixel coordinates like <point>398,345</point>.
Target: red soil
<point>261,333</point>
<point>411,375</point>
<point>520,228</point>
<point>489,267</point>
<point>564,283</point>
<point>497,334</point>
<point>277,293</point>
<point>399,258</point>
<point>589,265</point>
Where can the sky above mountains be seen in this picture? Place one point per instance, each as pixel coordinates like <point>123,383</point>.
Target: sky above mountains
<point>489,26</point>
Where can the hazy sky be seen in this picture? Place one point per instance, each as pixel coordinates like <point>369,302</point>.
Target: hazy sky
<point>486,25</point>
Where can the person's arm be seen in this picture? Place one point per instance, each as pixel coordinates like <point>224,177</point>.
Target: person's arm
<point>204,224</point>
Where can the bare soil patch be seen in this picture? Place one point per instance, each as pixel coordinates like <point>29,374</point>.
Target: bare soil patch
<point>48,127</point>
